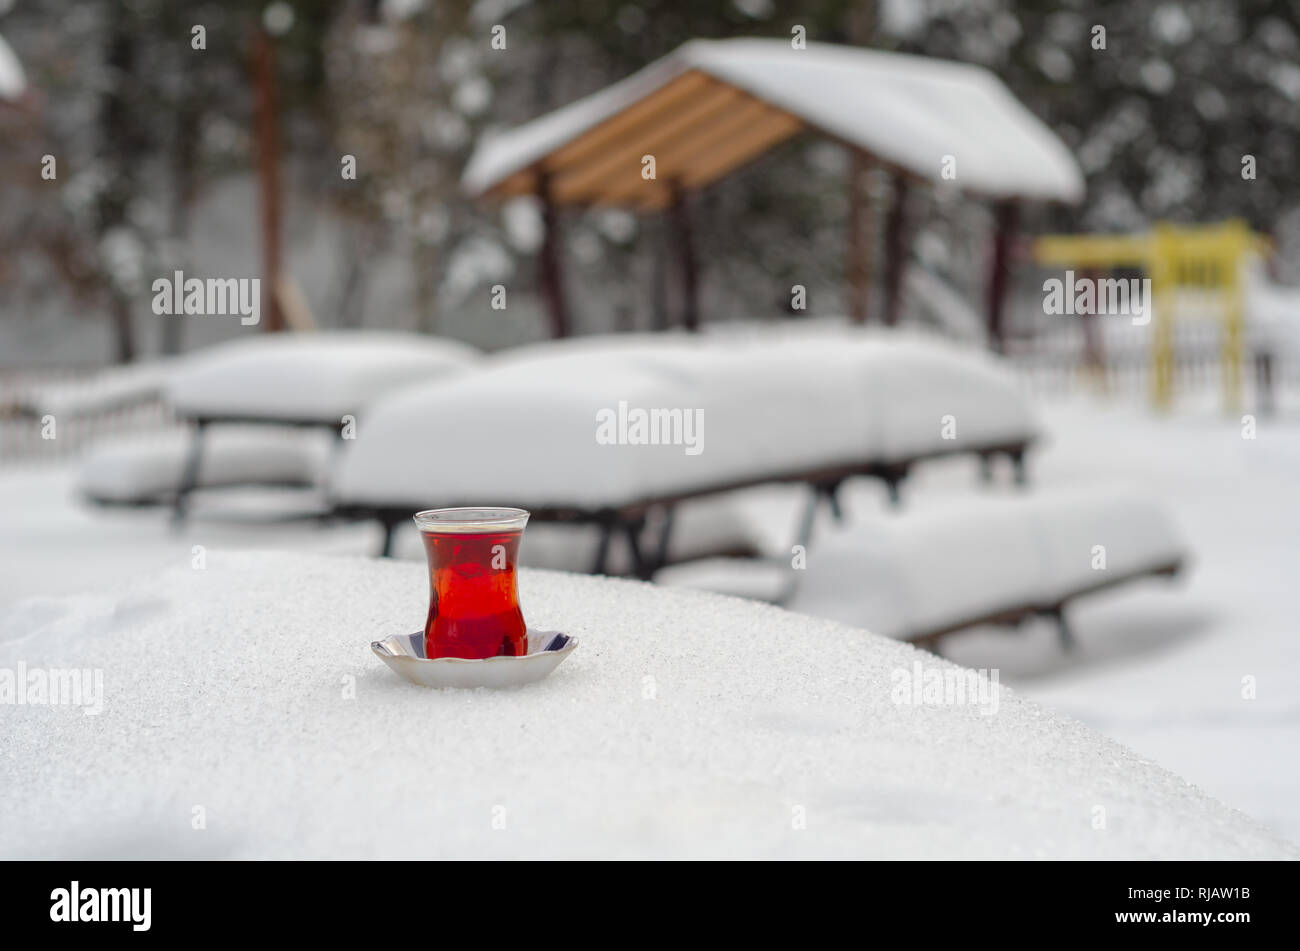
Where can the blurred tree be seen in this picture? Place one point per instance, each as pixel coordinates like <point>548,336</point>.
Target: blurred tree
<point>1169,118</point>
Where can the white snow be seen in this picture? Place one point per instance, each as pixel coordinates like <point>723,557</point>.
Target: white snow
<point>107,390</point>
<point>686,725</point>
<point>12,80</point>
<point>500,432</point>
<point>962,558</point>
<point>311,377</point>
<point>911,111</point>
<point>149,466</point>
<point>1160,667</point>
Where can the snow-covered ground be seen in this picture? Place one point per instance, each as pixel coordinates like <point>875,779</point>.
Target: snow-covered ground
<point>1168,670</point>
<point>1163,667</point>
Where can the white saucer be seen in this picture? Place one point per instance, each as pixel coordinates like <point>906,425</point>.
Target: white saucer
<point>404,653</point>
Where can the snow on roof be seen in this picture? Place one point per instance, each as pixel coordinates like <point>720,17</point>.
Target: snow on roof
<point>685,725</point>
<point>712,105</point>
<point>12,80</point>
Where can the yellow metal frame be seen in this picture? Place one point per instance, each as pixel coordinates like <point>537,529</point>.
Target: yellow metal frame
<point>1207,256</point>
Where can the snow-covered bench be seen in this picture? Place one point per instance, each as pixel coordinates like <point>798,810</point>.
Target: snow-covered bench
<point>147,469</point>
<point>315,380</point>
<point>557,428</point>
<point>112,388</point>
<point>922,575</point>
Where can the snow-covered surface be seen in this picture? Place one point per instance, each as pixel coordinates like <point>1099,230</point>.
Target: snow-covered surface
<point>311,377</point>
<point>1160,667</point>
<point>105,391</point>
<point>12,79</point>
<point>911,111</point>
<point>149,466</point>
<point>963,558</point>
<point>824,398</point>
<point>687,725</point>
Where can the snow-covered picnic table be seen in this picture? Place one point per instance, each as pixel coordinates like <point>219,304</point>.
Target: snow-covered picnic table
<point>243,715</point>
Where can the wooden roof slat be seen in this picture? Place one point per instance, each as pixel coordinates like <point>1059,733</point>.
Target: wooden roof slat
<point>676,160</point>
<point>743,148</point>
<point>624,157</point>
<point>741,139</point>
<point>649,110</point>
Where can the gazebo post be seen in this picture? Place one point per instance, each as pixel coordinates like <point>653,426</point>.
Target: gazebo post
<point>895,248</point>
<point>659,278</point>
<point>858,266</point>
<point>550,270</point>
<point>1006,216</point>
<point>690,273</point>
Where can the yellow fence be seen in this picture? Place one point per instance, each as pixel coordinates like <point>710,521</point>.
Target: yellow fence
<point>1208,258</point>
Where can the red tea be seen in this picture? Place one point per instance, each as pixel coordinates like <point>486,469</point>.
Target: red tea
<point>473,601</point>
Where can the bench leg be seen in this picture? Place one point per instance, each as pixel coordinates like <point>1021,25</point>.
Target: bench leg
<point>602,546</point>
<point>632,530</point>
<point>1018,464</point>
<point>809,518</point>
<point>189,474</point>
<point>892,483</point>
<point>832,493</point>
<point>1063,632</point>
<point>660,556</point>
<point>386,546</point>
<point>986,467</point>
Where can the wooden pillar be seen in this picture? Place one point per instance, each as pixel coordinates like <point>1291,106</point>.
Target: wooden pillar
<point>1006,216</point>
<point>551,274</point>
<point>860,245</point>
<point>659,278</point>
<point>686,248</point>
<point>268,176</point>
<point>895,249</point>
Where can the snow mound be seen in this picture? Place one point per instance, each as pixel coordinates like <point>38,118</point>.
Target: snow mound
<point>745,409</point>
<point>109,389</point>
<point>958,560</point>
<point>686,725</point>
<point>311,377</point>
<point>149,467</point>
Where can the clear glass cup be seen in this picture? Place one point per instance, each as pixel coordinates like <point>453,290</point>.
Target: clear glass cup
<point>473,597</point>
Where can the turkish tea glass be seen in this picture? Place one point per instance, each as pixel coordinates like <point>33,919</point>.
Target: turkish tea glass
<point>473,598</point>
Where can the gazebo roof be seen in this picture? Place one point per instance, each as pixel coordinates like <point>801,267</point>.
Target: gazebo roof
<point>713,105</point>
<point>12,80</point>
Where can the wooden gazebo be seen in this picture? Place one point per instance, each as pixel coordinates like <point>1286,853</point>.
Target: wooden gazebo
<point>713,105</point>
